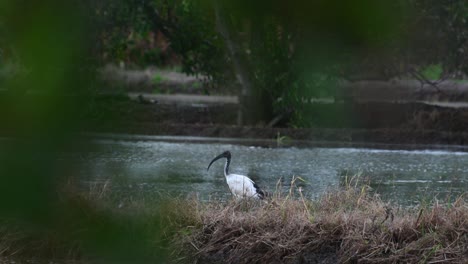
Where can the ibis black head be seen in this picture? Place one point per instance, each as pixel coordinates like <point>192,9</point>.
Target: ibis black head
<point>225,154</point>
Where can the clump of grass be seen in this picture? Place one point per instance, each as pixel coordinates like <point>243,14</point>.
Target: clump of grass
<point>346,225</point>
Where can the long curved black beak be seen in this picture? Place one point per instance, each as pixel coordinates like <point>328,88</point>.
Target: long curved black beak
<point>223,155</point>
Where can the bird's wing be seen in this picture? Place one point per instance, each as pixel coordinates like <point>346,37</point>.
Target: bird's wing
<point>260,193</point>
<point>241,185</point>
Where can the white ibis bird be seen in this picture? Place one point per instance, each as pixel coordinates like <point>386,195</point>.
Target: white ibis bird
<point>241,186</point>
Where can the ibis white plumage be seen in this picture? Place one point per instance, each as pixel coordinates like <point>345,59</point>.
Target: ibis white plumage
<point>241,186</point>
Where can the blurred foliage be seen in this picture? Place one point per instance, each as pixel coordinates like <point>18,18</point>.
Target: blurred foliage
<point>294,50</point>
<point>437,32</point>
<point>193,36</point>
<point>164,33</point>
<point>432,72</point>
<point>124,34</point>
<point>53,42</point>
<point>299,51</point>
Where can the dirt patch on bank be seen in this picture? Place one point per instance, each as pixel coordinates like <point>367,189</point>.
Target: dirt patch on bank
<point>399,111</point>
<point>364,122</point>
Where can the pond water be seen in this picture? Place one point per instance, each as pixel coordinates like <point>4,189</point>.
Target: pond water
<point>147,167</point>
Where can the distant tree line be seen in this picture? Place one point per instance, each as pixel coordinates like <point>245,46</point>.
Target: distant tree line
<point>283,51</point>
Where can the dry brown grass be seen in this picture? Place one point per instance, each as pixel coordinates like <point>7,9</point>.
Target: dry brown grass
<point>345,226</point>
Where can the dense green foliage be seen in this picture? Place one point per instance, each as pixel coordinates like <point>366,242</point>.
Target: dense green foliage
<point>163,33</point>
<point>291,50</point>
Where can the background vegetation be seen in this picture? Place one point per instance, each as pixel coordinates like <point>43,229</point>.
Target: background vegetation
<point>278,53</point>
<point>281,52</point>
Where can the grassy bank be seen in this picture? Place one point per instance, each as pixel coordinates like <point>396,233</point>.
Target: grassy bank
<point>343,226</point>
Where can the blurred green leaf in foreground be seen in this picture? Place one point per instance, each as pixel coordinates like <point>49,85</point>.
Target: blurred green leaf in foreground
<point>51,42</point>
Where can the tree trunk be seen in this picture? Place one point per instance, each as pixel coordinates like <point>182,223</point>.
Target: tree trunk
<point>248,110</point>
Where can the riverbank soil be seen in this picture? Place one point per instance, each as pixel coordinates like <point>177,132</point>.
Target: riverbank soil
<point>359,115</point>
<point>410,123</point>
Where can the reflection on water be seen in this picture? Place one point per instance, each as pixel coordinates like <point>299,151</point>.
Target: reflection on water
<point>148,167</point>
